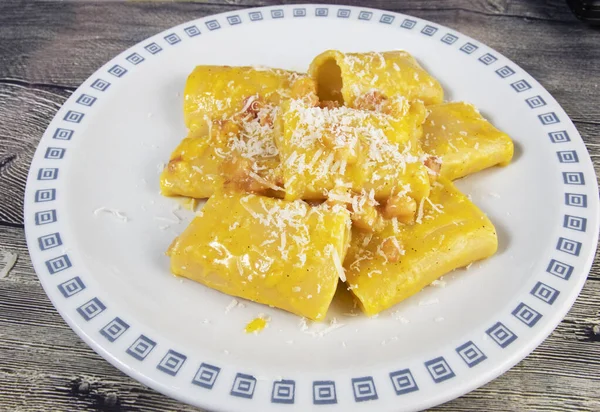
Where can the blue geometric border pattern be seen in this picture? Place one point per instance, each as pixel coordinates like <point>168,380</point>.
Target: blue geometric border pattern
<point>58,264</point>
<point>501,335</point>
<point>49,241</point>
<point>471,354</point>
<point>45,195</point>
<point>324,392</point>
<point>91,309</point>
<point>283,391</point>
<point>545,293</point>
<point>171,362</point>
<point>206,376</point>
<point>439,369</point>
<point>71,287</point>
<point>243,386</point>
<point>559,269</point>
<point>569,246</point>
<point>45,217</point>
<point>54,153</point>
<point>526,314</point>
<point>364,389</point>
<point>114,329</point>
<point>573,178</point>
<point>567,156</point>
<point>575,223</point>
<point>141,347</point>
<point>576,199</point>
<point>403,382</point>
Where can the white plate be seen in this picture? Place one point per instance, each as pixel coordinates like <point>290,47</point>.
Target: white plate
<point>110,279</point>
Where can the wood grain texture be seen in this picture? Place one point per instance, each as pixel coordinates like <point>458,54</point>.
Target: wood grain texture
<point>49,48</point>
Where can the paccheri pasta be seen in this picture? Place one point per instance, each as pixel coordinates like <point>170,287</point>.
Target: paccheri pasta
<point>339,175</point>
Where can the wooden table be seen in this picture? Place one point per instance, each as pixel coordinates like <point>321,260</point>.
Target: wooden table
<point>47,49</point>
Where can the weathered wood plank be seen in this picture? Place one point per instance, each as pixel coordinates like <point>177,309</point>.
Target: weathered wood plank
<point>25,112</point>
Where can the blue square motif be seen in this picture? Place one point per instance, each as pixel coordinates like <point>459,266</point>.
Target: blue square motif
<point>548,118</point>
<point>403,382</point>
<point>54,153</point>
<point>468,48</point>
<point>299,12</point>
<point>559,137</point>
<point>386,19</point>
<point>45,195</point>
<point>449,38</point>
<point>277,14</point>
<point>520,86</point>
<point>153,48</point>
<point>73,116</point>
<point>134,58</point>
<point>526,314</point>
<point>471,354</point>
<point>49,241</point>
<point>171,363</point>
<point>575,223</point>
<point>568,156</point>
<point>172,38</point>
<point>545,293</point>
<point>114,329</point>
<point>324,392</point>
<point>117,70</point>
<point>439,369</point>
<point>206,376</point>
<point>44,217</point>
<point>233,20</point>
<point>71,287</point>
<point>212,25</point>
<point>573,178</point>
<point>487,59</point>
<point>284,391</point>
<point>429,30</point>
<point>141,347</point>
<point>192,31</point>
<point>321,12</point>
<point>63,134</point>
<point>559,269</point>
<point>575,199</point>
<point>58,264</point>
<point>569,246</point>
<point>505,72</point>
<point>408,24</point>
<point>100,84</point>
<point>243,386</point>
<point>255,15</point>
<point>535,102</point>
<point>47,174</point>
<point>365,15</point>
<point>91,309</point>
<point>501,335</point>
<point>86,100</point>
<point>364,389</point>
<point>343,13</point>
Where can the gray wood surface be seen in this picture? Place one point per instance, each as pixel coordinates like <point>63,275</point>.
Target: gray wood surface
<point>48,48</point>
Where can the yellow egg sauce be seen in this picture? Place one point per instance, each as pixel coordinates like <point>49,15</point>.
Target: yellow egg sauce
<point>256,325</point>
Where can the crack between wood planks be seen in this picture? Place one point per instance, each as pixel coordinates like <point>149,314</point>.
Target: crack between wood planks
<point>23,83</point>
<point>589,122</point>
<point>12,224</point>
